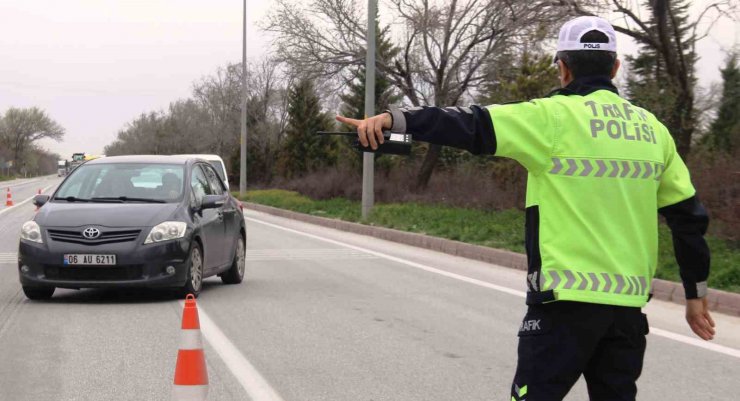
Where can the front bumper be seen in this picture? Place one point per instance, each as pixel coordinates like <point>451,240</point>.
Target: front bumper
<point>137,265</point>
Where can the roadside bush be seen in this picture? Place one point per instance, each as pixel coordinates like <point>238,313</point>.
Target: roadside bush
<point>500,184</point>
<point>717,180</point>
<point>484,184</point>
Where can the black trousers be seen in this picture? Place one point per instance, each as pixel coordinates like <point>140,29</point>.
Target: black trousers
<point>561,340</point>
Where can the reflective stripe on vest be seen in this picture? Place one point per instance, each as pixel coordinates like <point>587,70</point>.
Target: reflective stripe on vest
<point>601,282</point>
<point>598,168</point>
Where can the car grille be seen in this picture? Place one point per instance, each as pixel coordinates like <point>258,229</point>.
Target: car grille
<point>106,236</point>
<point>94,273</point>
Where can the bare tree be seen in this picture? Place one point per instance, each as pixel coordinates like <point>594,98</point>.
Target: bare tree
<point>209,121</point>
<point>220,95</point>
<point>443,46</point>
<point>20,128</point>
<point>267,112</point>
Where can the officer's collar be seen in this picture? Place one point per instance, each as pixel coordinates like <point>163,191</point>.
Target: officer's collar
<point>585,85</point>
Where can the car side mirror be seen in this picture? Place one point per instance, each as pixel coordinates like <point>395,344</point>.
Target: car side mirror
<point>212,202</point>
<point>40,200</point>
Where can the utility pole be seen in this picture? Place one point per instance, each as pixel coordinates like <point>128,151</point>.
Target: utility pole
<point>243,142</point>
<point>368,159</point>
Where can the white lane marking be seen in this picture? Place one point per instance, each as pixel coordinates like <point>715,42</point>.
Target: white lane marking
<point>8,257</point>
<point>305,254</point>
<point>654,330</point>
<point>466,279</point>
<point>245,373</point>
<point>20,184</point>
<point>695,342</point>
<point>24,201</point>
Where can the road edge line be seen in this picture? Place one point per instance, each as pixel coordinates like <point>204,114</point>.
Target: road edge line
<point>23,202</point>
<point>722,349</point>
<point>718,300</point>
<point>245,373</point>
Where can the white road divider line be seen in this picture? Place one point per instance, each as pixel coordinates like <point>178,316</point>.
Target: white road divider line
<point>245,373</point>
<point>24,201</point>
<point>695,342</point>
<point>653,330</point>
<point>9,257</point>
<point>305,254</point>
<point>21,183</point>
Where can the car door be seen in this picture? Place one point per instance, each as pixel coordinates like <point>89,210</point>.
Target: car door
<point>209,220</point>
<point>228,212</point>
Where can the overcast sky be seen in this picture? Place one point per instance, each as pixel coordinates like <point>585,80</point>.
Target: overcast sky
<point>94,65</point>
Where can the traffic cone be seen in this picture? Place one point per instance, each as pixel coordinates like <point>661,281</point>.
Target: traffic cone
<point>9,199</point>
<point>191,378</point>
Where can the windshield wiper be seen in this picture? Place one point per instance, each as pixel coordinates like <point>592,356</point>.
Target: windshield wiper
<point>72,199</point>
<point>127,199</point>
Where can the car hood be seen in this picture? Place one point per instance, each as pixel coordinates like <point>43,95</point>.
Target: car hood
<point>60,214</point>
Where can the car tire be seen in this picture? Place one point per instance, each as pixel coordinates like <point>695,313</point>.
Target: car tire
<point>38,293</point>
<point>194,276</point>
<point>235,274</point>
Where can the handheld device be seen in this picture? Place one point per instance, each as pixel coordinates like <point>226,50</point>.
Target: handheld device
<point>394,144</point>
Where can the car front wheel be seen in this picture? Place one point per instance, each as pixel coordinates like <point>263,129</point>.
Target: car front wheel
<point>38,293</point>
<point>194,281</point>
<point>235,274</point>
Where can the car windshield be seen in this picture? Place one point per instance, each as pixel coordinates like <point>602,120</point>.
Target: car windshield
<point>123,182</point>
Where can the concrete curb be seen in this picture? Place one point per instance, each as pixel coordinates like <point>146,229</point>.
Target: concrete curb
<point>720,301</point>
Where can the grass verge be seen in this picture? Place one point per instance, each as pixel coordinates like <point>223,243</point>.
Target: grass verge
<point>497,229</point>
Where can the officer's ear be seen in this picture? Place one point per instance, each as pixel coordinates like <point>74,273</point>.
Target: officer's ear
<point>564,73</point>
<point>617,64</point>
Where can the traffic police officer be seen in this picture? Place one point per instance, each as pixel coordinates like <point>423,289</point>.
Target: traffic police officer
<point>600,169</point>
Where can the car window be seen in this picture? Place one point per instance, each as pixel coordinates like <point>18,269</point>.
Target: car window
<point>161,182</point>
<point>219,168</point>
<point>216,186</point>
<point>199,184</point>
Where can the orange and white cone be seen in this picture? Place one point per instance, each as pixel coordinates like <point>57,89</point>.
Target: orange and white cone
<point>8,199</point>
<point>191,378</point>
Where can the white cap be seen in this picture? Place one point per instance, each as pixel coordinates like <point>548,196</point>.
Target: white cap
<point>573,30</point>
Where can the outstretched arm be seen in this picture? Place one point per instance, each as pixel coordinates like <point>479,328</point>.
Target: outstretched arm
<point>468,128</point>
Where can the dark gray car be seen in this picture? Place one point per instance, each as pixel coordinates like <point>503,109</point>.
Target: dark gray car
<point>134,221</point>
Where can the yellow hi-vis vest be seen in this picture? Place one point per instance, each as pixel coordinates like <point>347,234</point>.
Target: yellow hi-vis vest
<point>599,170</point>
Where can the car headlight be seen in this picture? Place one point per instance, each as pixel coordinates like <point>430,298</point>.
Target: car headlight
<point>31,232</point>
<point>166,231</point>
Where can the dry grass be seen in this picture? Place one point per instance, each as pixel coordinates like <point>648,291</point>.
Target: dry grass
<point>497,185</point>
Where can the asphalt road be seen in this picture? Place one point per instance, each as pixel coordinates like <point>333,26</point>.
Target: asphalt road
<point>322,315</point>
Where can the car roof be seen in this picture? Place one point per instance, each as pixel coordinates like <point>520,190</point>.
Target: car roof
<point>154,159</point>
<point>203,156</point>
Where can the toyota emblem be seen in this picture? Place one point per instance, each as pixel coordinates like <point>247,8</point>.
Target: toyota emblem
<point>91,233</point>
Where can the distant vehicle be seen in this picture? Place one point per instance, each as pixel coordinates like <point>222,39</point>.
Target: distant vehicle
<point>77,159</point>
<point>61,168</point>
<point>218,164</point>
<point>134,221</point>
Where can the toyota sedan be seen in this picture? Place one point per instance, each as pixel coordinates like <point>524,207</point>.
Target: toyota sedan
<point>134,221</point>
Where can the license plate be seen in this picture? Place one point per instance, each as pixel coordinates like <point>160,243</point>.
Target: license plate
<point>86,259</point>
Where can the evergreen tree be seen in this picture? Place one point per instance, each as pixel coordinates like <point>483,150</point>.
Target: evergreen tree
<point>724,133</point>
<point>385,94</point>
<point>353,98</point>
<point>532,77</point>
<point>662,77</point>
<point>303,150</point>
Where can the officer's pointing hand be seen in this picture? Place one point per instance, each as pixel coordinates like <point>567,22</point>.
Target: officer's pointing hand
<point>369,130</point>
<point>699,319</point>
